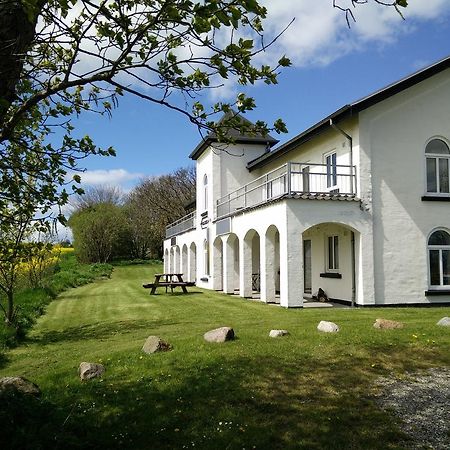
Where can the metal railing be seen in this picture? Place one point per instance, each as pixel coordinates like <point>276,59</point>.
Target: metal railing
<point>182,225</point>
<point>290,179</point>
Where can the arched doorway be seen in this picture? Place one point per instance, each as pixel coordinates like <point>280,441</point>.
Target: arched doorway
<point>218,264</point>
<point>231,264</point>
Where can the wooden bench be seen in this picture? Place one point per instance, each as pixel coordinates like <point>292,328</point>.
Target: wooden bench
<point>168,282</point>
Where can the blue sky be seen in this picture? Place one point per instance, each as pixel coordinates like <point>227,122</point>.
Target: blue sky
<point>332,65</point>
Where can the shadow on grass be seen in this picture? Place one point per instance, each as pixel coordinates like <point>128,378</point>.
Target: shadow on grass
<point>3,360</point>
<point>175,294</point>
<point>224,403</point>
<point>97,331</point>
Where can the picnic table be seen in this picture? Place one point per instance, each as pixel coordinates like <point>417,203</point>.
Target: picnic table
<point>167,280</point>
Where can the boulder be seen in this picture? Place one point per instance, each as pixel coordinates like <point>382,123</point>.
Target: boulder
<point>444,322</point>
<point>89,370</point>
<point>386,324</point>
<point>221,334</point>
<point>327,327</point>
<point>278,333</point>
<point>155,344</point>
<point>20,385</point>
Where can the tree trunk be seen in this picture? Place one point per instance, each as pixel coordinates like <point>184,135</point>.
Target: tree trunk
<point>10,309</point>
<point>16,35</point>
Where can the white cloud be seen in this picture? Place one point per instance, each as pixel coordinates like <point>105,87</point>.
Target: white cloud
<point>112,177</point>
<point>320,34</point>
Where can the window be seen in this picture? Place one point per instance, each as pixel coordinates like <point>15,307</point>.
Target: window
<point>437,166</point>
<point>332,252</point>
<point>330,161</point>
<point>205,192</point>
<point>206,256</point>
<point>439,259</point>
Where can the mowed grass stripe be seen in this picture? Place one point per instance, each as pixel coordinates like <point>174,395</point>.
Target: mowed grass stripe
<point>307,390</point>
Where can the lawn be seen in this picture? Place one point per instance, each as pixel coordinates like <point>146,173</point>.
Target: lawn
<point>307,390</point>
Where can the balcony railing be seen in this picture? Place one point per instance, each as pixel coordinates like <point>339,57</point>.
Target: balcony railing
<point>182,225</point>
<point>288,180</point>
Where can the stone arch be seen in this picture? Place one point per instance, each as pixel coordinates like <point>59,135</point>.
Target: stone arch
<point>334,249</point>
<point>192,262</point>
<point>184,261</point>
<point>217,261</point>
<point>172,260</point>
<point>250,264</point>
<point>177,265</point>
<point>166,261</point>
<point>231,263</point>
<point>270,265</point>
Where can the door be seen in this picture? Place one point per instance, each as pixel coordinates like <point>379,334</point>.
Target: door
<point>307,266</point>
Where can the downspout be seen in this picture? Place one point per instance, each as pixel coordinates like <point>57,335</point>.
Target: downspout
<point>350,141</point>
<point>352,190</point>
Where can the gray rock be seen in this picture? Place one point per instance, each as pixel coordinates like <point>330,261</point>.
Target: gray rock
<point>155,344</point>
<point>387,324</point>
<point>221,334</point>
<point>89,370</point>
<point>327,327</point>
<point>278,333</point>
<point>444,322</point>
<point>18,384</point>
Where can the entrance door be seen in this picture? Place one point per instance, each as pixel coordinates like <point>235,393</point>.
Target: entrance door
<point>307,266</point>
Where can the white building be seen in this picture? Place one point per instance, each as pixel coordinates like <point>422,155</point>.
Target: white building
<point>358,205</point>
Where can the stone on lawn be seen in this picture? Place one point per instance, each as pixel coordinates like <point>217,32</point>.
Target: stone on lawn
<point>221,334</point>
<point>327,327</point>
<point>19,384</point>
<point>155,344</point>
<point>444,322</point>
<point>89,370</point>
<point>278,333</point>
<point>386,324</point>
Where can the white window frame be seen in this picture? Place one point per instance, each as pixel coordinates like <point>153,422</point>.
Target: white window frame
<point>333,173</point>
<point>205,192</point>
<point>436,157</point>
<point>335,261</point>
<point>441,286</point>
<point>206,259</point>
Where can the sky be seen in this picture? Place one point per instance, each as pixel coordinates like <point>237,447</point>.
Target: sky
<point>332,65</point>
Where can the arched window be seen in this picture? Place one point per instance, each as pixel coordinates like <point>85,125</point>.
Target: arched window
<point>206,257</point>
<point>439,259</point>
<point>205,192</point>
<point>437,158</point>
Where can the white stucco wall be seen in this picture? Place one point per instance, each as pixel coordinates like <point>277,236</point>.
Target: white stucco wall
<point>393,138</point>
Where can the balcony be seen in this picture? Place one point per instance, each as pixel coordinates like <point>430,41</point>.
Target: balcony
<point>293,180</point>
<point>182,225</point>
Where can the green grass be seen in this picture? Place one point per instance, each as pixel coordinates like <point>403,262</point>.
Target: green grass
<point>304,391</point>
<point>31,303</point>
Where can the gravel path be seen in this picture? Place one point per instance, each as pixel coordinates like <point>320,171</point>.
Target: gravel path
<point>422,403</point>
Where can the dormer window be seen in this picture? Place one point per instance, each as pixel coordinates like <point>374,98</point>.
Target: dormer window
<point>437,155</point>
<point>205,192</point>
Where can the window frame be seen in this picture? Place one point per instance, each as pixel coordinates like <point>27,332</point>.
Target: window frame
<point>206,258</point>
<point>205,192</point>
<point>440,248</point>
<point>437,157</point>
<point>334,257</point>
<point>332,174</point>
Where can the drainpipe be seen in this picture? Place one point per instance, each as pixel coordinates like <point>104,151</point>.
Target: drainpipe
<point>353,270</point>
<point>350,141</point>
